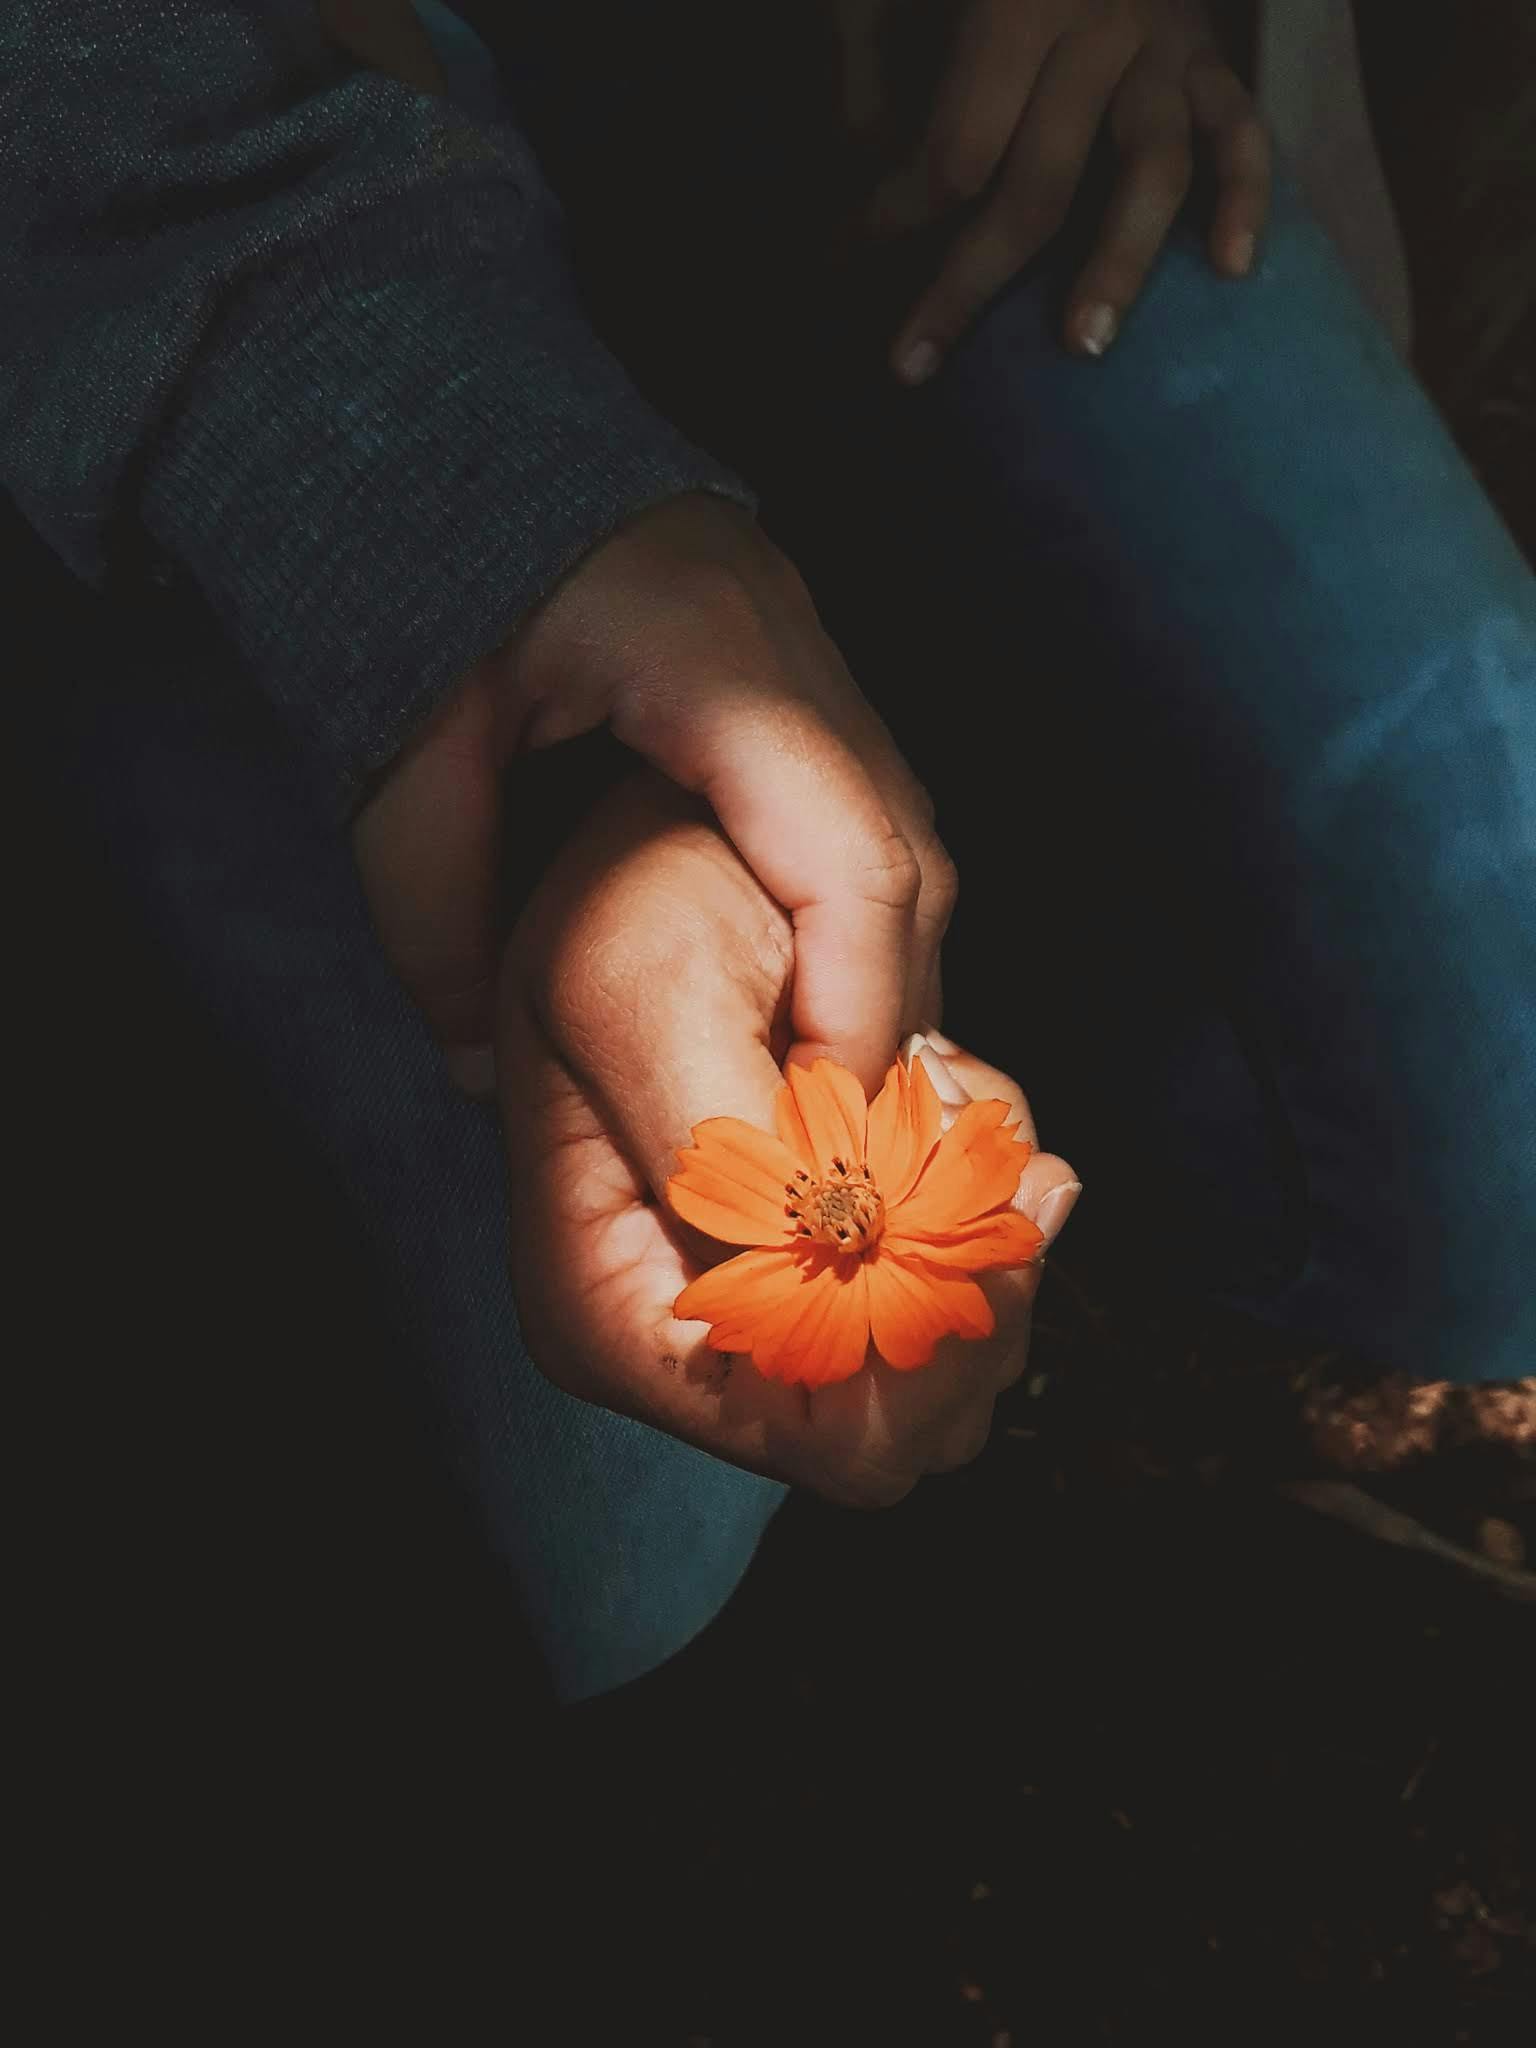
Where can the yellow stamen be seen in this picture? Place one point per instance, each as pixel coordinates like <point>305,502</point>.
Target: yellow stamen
<point>846,1210</point>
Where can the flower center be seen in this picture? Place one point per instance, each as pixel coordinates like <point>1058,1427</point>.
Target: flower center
<point>846,1210</point>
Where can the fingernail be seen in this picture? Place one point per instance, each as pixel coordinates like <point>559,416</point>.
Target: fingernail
<point>472,1068</point>
<point>912,1048</point>
<point>1057,1207</point>
<point>945,1086</point>
<point>1096,328</point>
<point>939,1042</point>
<point>1240,254</point>
<point>918,363</point>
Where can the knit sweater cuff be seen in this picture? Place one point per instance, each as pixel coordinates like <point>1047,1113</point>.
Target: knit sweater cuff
<point>394,453</point>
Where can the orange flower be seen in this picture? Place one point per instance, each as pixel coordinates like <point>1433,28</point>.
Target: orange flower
<point>865,1223</point>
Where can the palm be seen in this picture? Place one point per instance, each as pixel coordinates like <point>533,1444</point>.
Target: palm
<point>648,921</point>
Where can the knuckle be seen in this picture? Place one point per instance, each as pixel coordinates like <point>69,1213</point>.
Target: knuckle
<point>941,879</point>
<point>702,584</point>
<point>893,876</point>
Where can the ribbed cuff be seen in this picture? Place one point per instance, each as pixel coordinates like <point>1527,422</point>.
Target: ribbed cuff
<point>403,441</point>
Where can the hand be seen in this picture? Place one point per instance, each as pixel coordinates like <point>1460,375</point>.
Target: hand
<point>696,641</point>
<point>647,987</point>
<point>1029,86</point>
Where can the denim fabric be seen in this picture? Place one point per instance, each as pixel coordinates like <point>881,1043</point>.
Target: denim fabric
<point>1327,642</point>
<point>622,1542</point>
<point>1226,604</point>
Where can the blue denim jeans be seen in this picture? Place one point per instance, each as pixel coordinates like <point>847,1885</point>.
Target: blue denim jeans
<point>1224,673</point>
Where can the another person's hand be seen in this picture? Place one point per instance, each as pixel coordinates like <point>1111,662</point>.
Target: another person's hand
<point>647,987</point>
<point>1030,85</point>
<point>694,639</point>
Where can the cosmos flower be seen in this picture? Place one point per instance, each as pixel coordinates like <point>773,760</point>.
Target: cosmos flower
<point>865,1223</point>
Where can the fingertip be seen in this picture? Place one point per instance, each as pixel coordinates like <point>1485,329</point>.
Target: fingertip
<point>949,1091</point>
<point>1055,1207</point>
<point>1092,327</point>
<point>914,362</point>
<point>1237,253</point>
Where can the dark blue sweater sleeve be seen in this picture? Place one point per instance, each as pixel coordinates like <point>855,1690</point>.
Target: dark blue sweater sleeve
<point>300,342</point>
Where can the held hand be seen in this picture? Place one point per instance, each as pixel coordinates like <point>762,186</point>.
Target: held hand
<point>694,639</point>
<point>1030,85</point>
<point>646,989</point>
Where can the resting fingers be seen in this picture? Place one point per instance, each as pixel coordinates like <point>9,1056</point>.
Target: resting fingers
<point>1165,96</point>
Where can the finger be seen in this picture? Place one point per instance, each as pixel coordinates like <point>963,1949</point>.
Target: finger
<point>1151,125</point>
<point>911,805</point>
<point>1040,174</point>
<point>932,1005</point>
<point>964,1444</point>
<point>996,62</point>
<point>1048,1193</point>
<point>806,817</point>
<point>426,845</point>
<point>658,1003</point>
<point>1240,144</point>
<point>980,1082</point>
<point>894,1415</point>
<point>1049,1199</point>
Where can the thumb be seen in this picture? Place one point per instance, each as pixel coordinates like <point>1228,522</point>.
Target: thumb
<point>425,845</point>
<point>653,963</point>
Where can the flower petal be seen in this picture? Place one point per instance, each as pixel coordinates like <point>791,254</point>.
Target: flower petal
<point>911,1307</point>
<point>822,1115</point>
<point>732,1181</point>
<point>723,1208</point>
<point>739,1293</point>
<point>822,1334</point>
<point>1005,1238</point>
<point>905,1120</point>
<point>975,1167</point>
<point>842,1342</point>
<point>802,1314</point>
